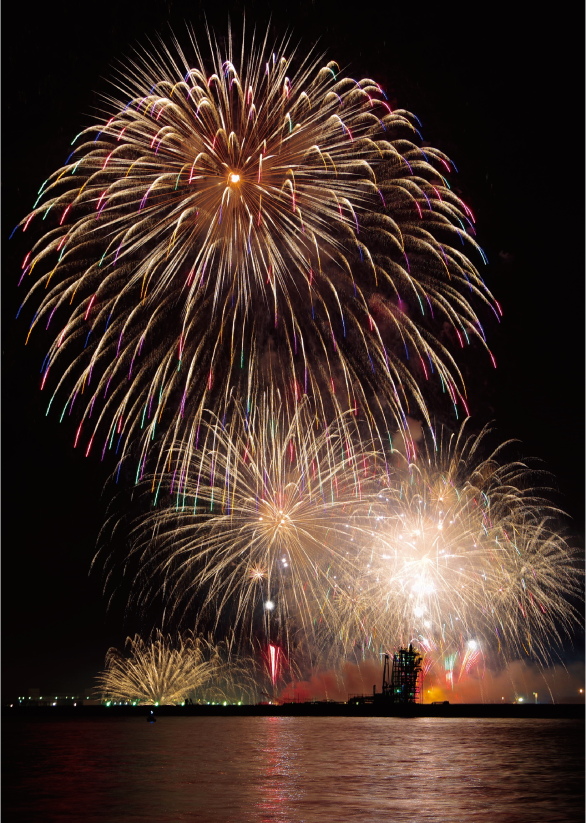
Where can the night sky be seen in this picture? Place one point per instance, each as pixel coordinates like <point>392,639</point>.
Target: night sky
<point>502,97</point>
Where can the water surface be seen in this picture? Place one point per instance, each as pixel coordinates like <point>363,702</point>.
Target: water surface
<point>293,770</point>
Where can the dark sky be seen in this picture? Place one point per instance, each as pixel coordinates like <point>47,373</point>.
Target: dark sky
<point>502,96</point>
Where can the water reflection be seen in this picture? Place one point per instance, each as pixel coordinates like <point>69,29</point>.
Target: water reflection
<point>293,770</point>
<point>280,769</point>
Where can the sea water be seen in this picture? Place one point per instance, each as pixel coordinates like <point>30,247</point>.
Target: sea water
<point>292,770</point>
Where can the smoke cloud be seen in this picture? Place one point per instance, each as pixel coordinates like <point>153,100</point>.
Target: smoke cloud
<point>519,681</point>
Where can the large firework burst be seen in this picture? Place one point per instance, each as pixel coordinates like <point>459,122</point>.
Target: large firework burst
<point>241,223</point>
<point>464,556</point>
<point>166,670</point>
<point>259,528</point>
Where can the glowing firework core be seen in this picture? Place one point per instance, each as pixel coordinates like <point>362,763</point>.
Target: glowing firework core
<point>234,178</point>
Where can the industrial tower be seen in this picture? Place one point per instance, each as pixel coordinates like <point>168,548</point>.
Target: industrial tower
<point>402,686</point>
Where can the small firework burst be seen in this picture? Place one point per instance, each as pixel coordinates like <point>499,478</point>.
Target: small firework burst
<point>166,671</point>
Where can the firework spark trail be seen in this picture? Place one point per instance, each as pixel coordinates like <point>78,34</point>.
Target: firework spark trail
<point>229,229</point>
<point>464,559</point>
<point>263,525</point>
<point>163,670</point>
<point>274,653</point>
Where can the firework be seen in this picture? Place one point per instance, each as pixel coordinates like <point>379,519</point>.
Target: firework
<point>249,225</point>
<point>247,267</point>
<point>164,671</point>
<point>464,559</point>
<point>337,553</point>
<point>274,653</point>
<point>260,529</point>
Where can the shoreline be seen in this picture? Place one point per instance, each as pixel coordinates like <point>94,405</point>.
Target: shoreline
<point>559,711</point>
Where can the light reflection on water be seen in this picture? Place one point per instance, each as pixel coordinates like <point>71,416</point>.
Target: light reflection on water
<point>293,770</point>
